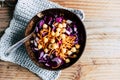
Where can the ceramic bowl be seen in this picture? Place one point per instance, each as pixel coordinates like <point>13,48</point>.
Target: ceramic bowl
<point>68,15</point>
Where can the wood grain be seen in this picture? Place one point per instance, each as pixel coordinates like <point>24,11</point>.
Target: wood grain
<point>101,58</point>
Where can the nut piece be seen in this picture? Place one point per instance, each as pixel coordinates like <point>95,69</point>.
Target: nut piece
<point>63,36</point>
<point>52,41</point>
<point>64,24</point>
<point>46,50</point>
<point>64,30</point>
<point>74,56</point>
<point>57,34</point>
<point>55,46</point>
<point>60,25</point>
<point>39,46</point>
<point>77,46</point>
<point>45,26</point>
<point>69,52</point>
<point>58,29</point>
<point>53,33</point>
<point>63,50</point>
<point>67,60</point>
<point>45,39</point>
<point>73,49</point>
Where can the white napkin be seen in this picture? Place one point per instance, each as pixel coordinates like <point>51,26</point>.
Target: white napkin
<point>24,11</point>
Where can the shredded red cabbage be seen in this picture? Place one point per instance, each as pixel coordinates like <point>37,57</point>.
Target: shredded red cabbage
<point>41,23</point>
<point>52,60</point>
<point>59,19</point>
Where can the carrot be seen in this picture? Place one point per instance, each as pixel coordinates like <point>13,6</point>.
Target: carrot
<point>67,43</point>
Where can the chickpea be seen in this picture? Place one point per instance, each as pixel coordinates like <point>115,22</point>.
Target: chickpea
<point>74,56</point>
<point>69,52</point>
<point>64,30</point>
<point>64,24</point>
<point>60,25</point>
<point>45,40</point>
<point>53,33</point>
<point>39,46</point>
<point>77,46</point>
<point>45,26</point>
<point>57,34</point>
<point>46,50</point>
<point>63,36</point>
<point>67,60</point>
<point>63,50</point>
<point>73,49</point>
<point>58,29</point>
<point>52,40</point>
<point>54,46</point>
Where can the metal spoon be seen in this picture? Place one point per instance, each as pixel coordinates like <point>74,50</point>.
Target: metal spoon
<point>22,41</point>
<point>17,45</point>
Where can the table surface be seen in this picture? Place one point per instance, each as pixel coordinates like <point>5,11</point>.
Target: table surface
<point>101,58</point>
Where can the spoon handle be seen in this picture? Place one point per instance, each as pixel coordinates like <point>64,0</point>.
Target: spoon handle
<point>17,45</point>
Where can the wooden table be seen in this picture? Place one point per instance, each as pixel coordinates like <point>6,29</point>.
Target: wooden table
<point>101,58</point>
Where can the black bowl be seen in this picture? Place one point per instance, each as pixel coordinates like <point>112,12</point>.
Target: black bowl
<point>68,15</point>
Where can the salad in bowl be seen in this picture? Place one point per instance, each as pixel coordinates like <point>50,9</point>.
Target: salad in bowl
<point>58,40</point>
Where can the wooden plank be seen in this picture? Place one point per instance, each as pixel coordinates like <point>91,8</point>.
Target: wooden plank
<point>10,71</point>
<point>103,72</point>
<point>102,10</point>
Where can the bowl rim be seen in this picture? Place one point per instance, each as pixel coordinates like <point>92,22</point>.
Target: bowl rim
<point>27,42</point>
